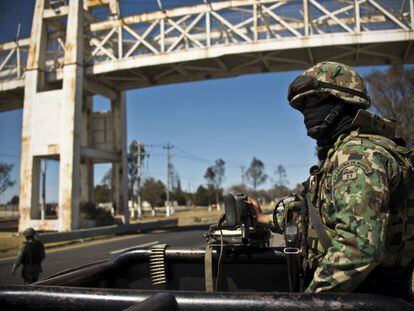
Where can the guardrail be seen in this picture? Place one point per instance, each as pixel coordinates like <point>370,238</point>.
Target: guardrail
<point>107,230</point>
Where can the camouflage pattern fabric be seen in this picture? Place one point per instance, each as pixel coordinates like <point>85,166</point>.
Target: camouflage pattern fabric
<point>31,253</point>
<point>338,74</point>
<point>352,191</point>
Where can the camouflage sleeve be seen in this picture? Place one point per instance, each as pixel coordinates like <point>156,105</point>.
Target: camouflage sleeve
<point>19,257</point>
<point>360,194</point>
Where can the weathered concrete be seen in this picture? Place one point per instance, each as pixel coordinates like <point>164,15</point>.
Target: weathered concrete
<point>120,169</point>
<point>29,170</point>
<point>60,124</point>
<point>69,169</point>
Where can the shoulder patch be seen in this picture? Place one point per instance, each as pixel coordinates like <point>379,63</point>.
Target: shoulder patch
<point>347,171</point>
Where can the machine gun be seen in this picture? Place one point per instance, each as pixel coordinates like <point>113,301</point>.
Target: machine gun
<point>237,229</point>
<point>238,232</point>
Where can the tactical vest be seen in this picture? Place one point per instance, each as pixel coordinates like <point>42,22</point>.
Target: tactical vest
<point>399,242</point>
<point>33,253</point>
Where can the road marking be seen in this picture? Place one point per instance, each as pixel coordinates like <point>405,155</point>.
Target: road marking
<point>141,245</point>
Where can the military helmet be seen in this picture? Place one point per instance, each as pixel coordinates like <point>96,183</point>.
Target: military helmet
<point>329,78</point>
<point>29,232</point>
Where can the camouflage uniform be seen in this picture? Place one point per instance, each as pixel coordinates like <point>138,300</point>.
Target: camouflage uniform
<point>354,190</point>
<point>30,255</point>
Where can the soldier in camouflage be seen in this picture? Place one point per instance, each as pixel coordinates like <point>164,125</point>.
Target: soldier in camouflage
<point>30,255</point>
<point>361,189</point>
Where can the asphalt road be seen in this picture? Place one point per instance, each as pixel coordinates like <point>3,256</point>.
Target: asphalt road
<point>73,256</point>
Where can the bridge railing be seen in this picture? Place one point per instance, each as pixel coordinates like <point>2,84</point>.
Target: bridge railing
<point>242,22</point>
<point>13,56</point>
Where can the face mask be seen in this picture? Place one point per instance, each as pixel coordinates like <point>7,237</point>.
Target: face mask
<point>314,117</point>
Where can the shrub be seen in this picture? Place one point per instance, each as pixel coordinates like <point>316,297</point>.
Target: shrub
<point>90,211</point>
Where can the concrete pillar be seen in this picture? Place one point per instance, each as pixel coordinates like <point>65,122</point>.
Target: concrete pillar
<point>120,169</point>
<point>57,124</point>
<point>35,211</point>
<point>71,110</point>
<point>86,167</point>
<point>34,81</point>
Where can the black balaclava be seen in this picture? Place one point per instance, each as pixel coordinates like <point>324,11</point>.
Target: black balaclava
<point>326,136</point>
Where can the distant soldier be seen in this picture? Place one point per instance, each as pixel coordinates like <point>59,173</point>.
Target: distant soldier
<point>30,255</point>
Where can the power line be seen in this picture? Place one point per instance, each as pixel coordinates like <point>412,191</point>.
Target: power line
<point>188,158</point>
<point>192,155</point>
<point>9,155</point>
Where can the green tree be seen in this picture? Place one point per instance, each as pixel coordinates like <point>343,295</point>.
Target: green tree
<point>103,191</point>
<point>153,191</point>
<point>14,200</point>
<point>132,157</point>
<point>281,176</point>
<point>177,193</point>
<point>277,192</point>
<point>255,173</point>
<point>103,194</point>
<point>5,179</point>
<point>107,178</point>
<point>203,195</point>
<point>392,94</point>
<point>214,176</point>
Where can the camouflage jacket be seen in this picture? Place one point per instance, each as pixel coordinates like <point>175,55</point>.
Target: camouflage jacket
<point>352,192</point>
<point>30,253</point>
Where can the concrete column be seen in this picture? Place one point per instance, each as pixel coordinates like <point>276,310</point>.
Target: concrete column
<point>86,181</point>
<point>34,80</point>
<point>120,169</point>
<point>71,112</point>
<point>86,168</point>
<point>35,211</point>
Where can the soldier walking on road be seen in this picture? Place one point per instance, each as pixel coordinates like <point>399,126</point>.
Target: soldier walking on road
<point>30,255</point>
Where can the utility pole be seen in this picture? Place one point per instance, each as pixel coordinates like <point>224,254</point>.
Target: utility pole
<point>168,147</point>
<point>139,180</point>
<point>141,154</point>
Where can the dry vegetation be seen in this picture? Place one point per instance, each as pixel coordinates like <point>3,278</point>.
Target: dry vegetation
<point>9,243</point>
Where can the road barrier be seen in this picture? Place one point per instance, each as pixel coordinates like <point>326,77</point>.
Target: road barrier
<point>107,230</point>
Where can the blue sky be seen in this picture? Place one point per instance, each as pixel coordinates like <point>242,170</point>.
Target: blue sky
<point>235,119</point>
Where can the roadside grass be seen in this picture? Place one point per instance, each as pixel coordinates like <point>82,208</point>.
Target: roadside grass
<point>9,243</point>
<point>186,217</point>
